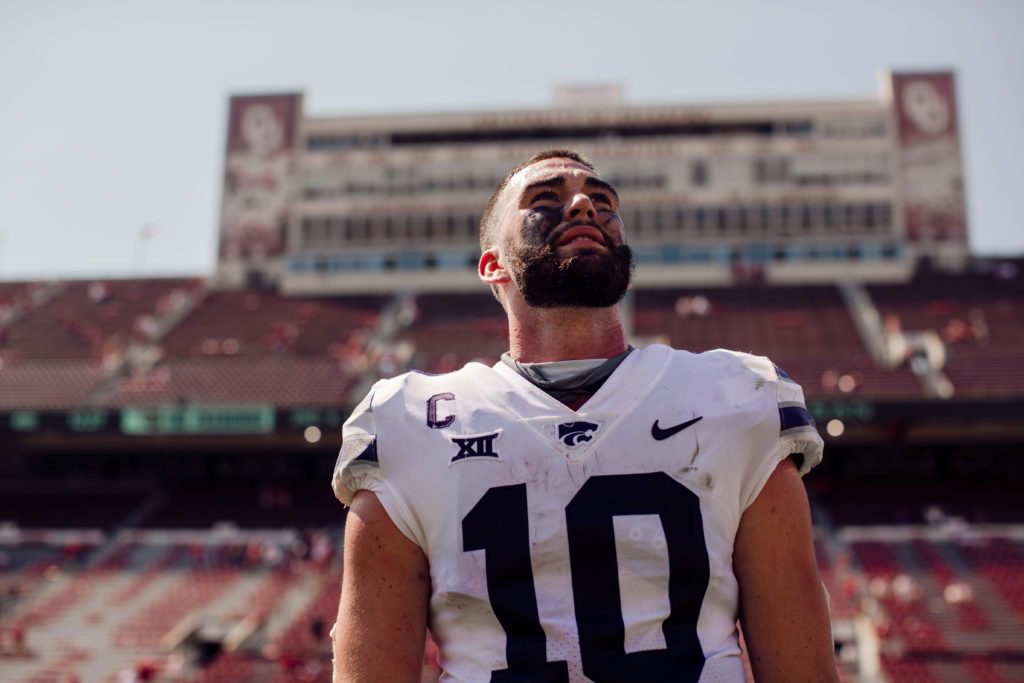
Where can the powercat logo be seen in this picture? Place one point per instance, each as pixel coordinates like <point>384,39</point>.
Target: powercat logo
<point>575,434</point>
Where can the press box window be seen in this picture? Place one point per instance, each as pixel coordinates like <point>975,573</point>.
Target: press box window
<point>699,173</point>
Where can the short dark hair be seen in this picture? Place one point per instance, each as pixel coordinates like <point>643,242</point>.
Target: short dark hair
<point>486,223</point>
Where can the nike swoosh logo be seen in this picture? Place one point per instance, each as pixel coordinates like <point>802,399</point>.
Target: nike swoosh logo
<point>660,434</point>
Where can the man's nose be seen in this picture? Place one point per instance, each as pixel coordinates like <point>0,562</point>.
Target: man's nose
<point>580,208</point>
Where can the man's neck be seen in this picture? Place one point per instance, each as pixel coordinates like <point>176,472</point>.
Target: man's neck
<point>543,335</point>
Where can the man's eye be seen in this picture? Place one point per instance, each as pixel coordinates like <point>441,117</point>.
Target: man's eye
<point>601,198</point>
<point>547,196</point>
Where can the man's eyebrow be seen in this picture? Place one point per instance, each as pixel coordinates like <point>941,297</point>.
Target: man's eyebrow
<point>607,187</point>
<point>558,181</point>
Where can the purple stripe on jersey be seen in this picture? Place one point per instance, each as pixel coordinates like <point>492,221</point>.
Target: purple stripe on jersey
<point>369,453</point>
<point>794,416</point>
<point>782,373</point>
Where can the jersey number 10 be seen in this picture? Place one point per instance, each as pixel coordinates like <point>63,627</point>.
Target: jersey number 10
<point>499,525</point>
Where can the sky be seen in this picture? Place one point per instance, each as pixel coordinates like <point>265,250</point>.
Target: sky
<point>113,114</point>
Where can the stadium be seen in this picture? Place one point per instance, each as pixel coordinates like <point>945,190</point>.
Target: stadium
<point>166,444</point>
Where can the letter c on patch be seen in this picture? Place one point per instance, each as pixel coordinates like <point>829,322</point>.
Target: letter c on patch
<point>432,420</point>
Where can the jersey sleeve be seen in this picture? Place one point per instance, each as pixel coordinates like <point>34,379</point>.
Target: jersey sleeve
<point>798,434</point>
<point>358,466</point>
<point>361,467</point>
<point>793,431</point>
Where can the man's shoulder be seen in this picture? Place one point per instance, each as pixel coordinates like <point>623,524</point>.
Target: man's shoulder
<point>470,372</point>
<point>734,373</point>
<point>715,361</point>
<point>417,381</point>
<point>742,361</point>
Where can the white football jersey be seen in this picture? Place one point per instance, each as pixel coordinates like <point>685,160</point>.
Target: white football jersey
<point>580,545</point>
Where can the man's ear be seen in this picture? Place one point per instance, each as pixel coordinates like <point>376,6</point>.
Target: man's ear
<point>492,268</point>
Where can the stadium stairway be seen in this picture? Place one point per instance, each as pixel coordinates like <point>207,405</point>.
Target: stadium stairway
<point>866,318</point>
<point>289,606</point>
<point>72,639</point>
<point>99,621</point>
<point>942,617</point>
<point>996,627</point>
<point>140,356</point>
<point>390,323</point>
<point>106,551</point>
<point>876,339</point>
<point>37,297</point>
<point>978,622</point>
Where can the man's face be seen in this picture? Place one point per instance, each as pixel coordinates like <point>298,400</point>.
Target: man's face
<point>562,238</point>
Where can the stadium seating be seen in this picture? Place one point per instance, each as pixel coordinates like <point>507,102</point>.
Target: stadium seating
<point>199,346</point>
<point>101,619</point>
<point>86,319</point>
<point>450,330</point>
<point>192,587</point>
<point>285,382</point>
<point>946,609</point>
<point>1001,562</point>
<point>978,306</point>
<point>265,324</point>
<point>96,576</point>
<point>807,331</point>
<point>978,314</point>
<point>226,668</point>
<point>986,371</point>
<point>47,384</point>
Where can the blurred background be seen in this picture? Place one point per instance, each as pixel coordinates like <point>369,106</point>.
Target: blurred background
<point>222,222</point>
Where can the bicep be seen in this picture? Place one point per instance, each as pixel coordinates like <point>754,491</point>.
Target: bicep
<point>783,608</point>
<point>382,618</point>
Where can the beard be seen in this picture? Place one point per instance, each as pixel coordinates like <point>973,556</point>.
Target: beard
<point>587,279</point>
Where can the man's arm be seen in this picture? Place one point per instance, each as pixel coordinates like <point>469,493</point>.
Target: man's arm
<point>783,609</point>
<point>385,589</point>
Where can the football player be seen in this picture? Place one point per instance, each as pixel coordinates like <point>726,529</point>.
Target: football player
<point>582,510</point>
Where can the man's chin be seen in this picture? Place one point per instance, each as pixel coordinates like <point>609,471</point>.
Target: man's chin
<point>587,278</point>
<point>576,286</point>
